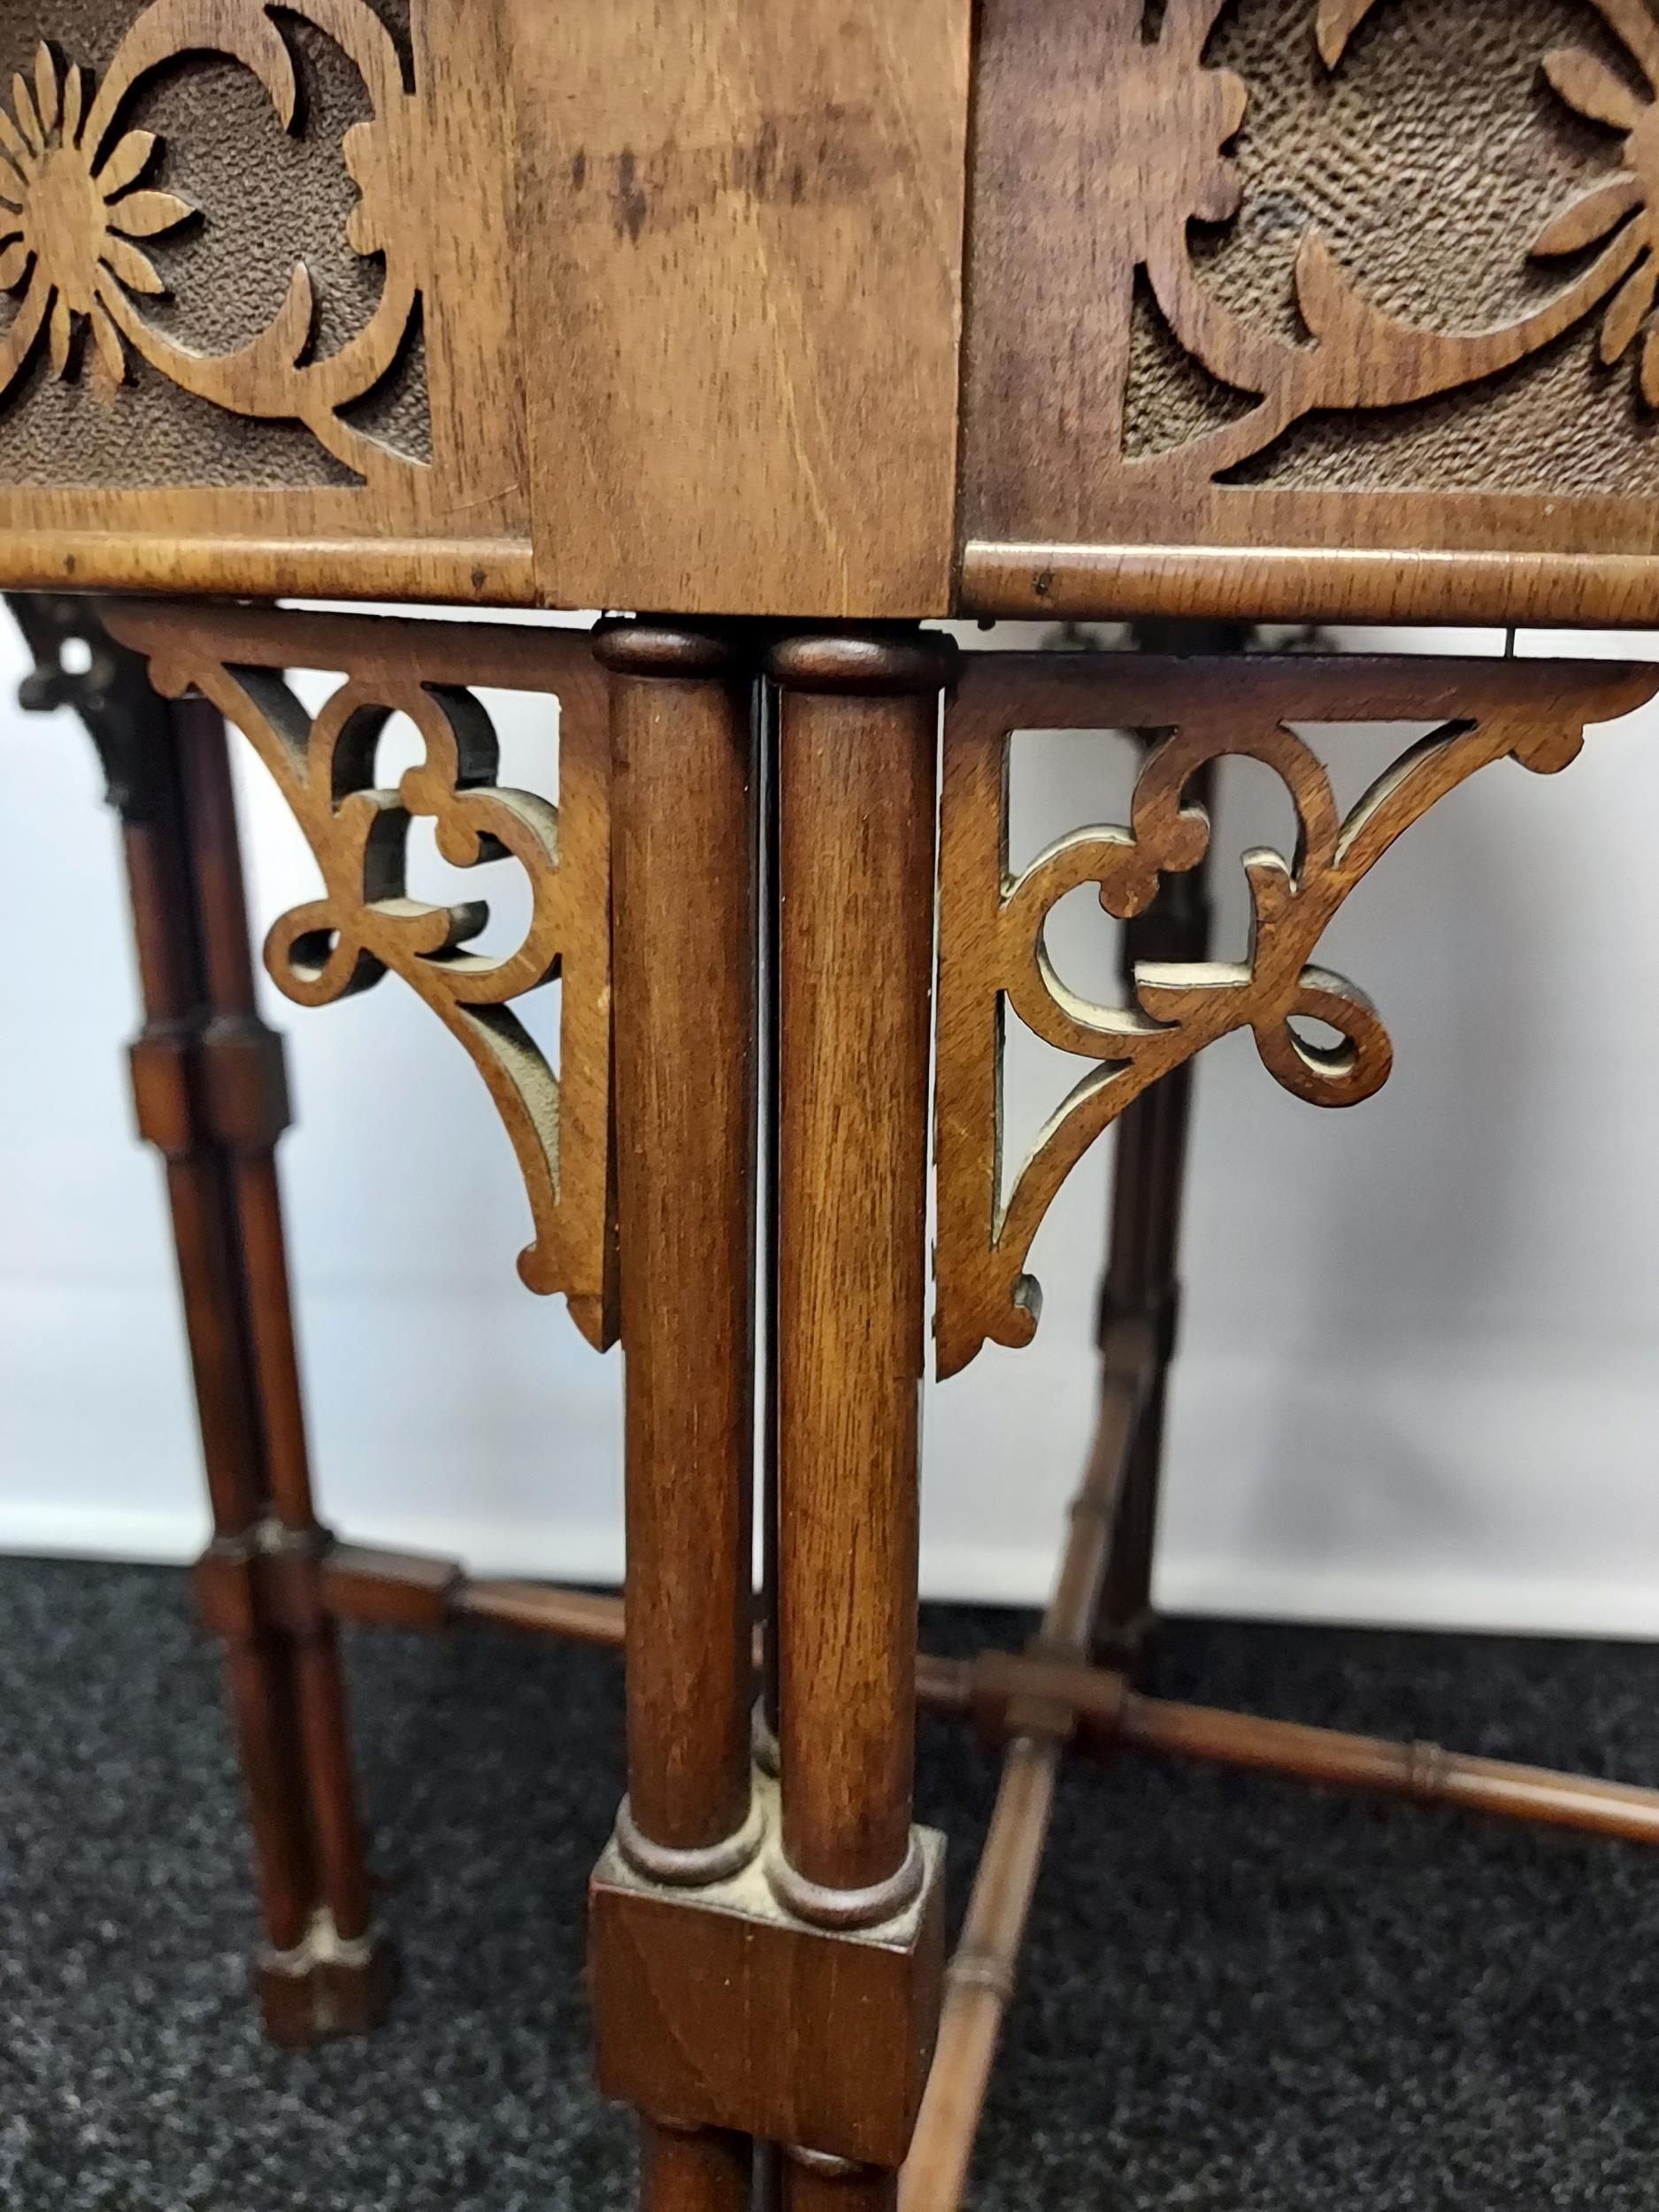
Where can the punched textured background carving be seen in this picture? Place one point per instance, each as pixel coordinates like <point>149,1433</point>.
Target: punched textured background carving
<point>1429,159</point>
<point>1322,277</point>
<point>269,198</point>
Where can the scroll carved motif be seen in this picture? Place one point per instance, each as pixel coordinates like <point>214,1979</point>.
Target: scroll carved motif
<point>366,923</point>
<point>993,954</point>
<point>1178,117</point>
<point>74,202</point>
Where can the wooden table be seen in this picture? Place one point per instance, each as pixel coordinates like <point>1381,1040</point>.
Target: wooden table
<point>793,327</point>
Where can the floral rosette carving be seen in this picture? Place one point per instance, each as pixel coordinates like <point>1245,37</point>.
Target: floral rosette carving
<point>74,202</point>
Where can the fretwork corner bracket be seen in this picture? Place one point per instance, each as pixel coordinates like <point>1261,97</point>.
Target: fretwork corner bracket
<point>993,957</point>
<point>366,923</point>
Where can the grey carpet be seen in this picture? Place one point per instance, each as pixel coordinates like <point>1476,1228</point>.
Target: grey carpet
<point>1239,1994</point>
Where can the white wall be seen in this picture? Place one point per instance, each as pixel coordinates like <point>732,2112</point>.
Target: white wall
<point>1418,1381</point>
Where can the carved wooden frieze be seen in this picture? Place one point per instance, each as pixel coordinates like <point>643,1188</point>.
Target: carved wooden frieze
<point>993,959</point>
<point>502,300</point>
<point>1316,277</point>
<point>367,924</point>
<point>94,238</point>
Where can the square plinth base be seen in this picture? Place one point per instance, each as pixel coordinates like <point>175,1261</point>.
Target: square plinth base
<point>716,2008</point>
<point>311,1995</point>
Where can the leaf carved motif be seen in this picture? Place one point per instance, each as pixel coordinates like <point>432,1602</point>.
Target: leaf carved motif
<point>1184,115</point>
<point>367,924</point>
<point>74,202</point>
<point>993,951</point>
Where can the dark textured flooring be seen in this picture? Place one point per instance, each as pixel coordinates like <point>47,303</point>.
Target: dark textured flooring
<point>1237,1993</point>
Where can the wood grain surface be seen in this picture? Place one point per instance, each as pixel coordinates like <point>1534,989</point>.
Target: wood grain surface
<point>745,225</point>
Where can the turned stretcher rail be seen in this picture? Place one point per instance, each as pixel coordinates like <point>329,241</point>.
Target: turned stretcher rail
<point>1039,1704</point>
<point>1421,1772</point>
<point>1090,1709</point>
<point>979,1980</point>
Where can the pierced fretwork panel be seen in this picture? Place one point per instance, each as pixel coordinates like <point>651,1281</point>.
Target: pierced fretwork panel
<point>1324,276</point>
<point>366,922</point>
<point>993,956</point>
<point>131,170</point>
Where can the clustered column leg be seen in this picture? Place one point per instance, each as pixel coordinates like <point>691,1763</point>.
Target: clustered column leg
<point>210,1095</point>
<point>241,1062</point>
<point>766,1955</point>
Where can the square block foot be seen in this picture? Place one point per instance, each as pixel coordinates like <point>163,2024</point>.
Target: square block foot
<point>325,1987</point>
<point>718,2008</point>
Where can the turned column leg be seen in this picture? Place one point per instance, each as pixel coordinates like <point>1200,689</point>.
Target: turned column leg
<point>858,788</point>
<point>683,965</point>
<point>211,1096</point>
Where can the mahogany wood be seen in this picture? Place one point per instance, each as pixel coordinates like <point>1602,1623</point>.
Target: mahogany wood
<point>979,1980</point>
<point>1420,1772</point>
<point>719,2004</point>
<point>366,923</point>
<point>993,961</point>
<point>1092,1708</point>
<point>1221,361</point>
<point>683,956</point>
<point>835,2184</point>
<point>1216,360</point>
<point>684,959</point>
<point>208,1081</point>
<point>657,304</point>
<point>581,1617</point>
<point>249,465</point>
<point>1148,1188</point>
<point>858,737</point>
<point>232,1030</point>
<point>522,166</point>
<point>689,2169</point>
<point>386,1589</point>
<point>803,167</point>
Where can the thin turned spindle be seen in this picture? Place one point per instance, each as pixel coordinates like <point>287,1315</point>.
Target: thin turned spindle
<point>1424,1773</point>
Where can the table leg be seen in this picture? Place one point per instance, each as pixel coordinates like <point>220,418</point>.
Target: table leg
<point>241,1062</point>
<point>1149,1185</point>
<point>858,787</point>
<point>684,947</point>
<point>210,1095</point>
